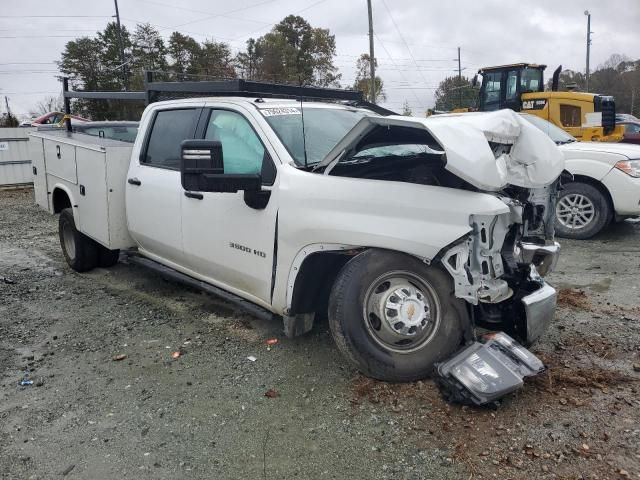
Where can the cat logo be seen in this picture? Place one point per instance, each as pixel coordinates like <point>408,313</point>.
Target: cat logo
<point>533,104</point>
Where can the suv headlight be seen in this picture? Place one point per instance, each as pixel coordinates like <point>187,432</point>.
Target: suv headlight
<point>630,167</point>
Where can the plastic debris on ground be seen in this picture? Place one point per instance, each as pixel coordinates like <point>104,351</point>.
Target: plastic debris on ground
<point>117,358</point>
<point>26,381</point>
<point>271,393</point>
<point>484,372</point>
<point>251,358</point>
<point>176,355</point>
<point>7,280</point>
<point>270,343</point>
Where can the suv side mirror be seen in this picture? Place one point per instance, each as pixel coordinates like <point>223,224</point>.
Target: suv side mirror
<point>202,170</point>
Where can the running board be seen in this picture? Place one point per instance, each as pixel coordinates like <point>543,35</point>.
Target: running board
<point>172,274</point>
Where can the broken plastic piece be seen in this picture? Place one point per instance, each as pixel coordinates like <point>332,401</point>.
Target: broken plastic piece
<point>271,341</point>
<point>271,393</point>
<point>482,373</point>
<point>7,280</point>
<point>117,358</point>
<point>175,355</point>
<point>252,358</point>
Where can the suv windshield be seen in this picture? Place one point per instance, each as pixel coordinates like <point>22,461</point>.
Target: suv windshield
<point>555,133</point>
<point>323,129</point>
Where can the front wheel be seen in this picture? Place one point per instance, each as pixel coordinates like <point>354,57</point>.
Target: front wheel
<point>393,316</point>
<point>582,211</point>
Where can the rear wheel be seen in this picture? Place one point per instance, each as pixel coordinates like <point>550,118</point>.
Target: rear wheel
<point>393,316</point>
<point>582,211</point>
<point>79,250</point>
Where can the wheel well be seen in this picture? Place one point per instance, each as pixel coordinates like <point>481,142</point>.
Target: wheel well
<point>60,200</point>
<point>313,283</point>
<point>596,184</point>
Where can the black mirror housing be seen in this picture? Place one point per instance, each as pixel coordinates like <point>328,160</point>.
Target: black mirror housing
<point>202,169</point>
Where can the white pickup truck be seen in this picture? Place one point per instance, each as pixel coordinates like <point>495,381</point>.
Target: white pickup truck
<point>406,233</point>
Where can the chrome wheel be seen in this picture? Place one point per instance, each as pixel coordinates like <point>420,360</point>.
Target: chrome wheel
<point>69,241</point>
<point>401,311</point>
<point>575,211</point>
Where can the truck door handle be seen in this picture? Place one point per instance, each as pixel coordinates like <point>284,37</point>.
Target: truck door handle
<point>134,181</point>
<point>197,196</point>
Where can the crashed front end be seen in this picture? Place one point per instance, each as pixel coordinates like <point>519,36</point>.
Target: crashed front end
<point>499,267</point>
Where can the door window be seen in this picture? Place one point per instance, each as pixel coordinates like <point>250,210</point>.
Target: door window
<point>512,85</point>
<point>631,128</point>
<point>170,128</point>
<point>242,150</point>
<point>492,87</point>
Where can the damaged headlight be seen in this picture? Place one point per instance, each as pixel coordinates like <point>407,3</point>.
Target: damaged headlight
<point>484,372</point>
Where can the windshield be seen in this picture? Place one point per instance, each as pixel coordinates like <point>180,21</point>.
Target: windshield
<point>555,133</point>
<point>323,129</point>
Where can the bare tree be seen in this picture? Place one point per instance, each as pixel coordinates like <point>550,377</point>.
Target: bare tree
<point>46,105</point>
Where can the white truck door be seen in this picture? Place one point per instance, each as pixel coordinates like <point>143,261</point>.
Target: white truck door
<point>227,238</point>
<point>154,191</point>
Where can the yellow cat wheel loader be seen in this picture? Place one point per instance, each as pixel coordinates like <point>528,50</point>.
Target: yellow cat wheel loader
<point>520,87</point>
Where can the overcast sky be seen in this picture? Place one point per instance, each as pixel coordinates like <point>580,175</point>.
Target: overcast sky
<point>415,40</point>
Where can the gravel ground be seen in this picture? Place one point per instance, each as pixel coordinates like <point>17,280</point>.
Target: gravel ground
<point>205,414</point>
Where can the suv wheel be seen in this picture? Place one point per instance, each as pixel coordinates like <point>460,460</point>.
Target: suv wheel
<point>393,316</point>
<point>582,211</point>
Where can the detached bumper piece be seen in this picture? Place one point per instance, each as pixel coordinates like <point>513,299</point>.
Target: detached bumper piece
<point>482,373</point>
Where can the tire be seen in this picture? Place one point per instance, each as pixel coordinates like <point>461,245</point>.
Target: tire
<point>371,344</point>
<point>79,250</point>
<point>582,211</point>
<point>107,258</point>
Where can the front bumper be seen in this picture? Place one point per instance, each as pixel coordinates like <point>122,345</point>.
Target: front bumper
<point>539,307</point>
<point>625,192</point>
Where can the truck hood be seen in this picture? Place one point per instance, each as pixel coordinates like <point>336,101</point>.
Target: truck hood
<point>532,161</point>
<point>628,150</point>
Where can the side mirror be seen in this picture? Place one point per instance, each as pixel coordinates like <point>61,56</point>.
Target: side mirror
<point>474,82</point>
<point>202,170</point>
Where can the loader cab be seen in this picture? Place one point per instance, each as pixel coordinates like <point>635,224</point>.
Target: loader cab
<point>503,86</point>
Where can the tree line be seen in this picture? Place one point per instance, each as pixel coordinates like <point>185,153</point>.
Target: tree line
<point>293,52</point>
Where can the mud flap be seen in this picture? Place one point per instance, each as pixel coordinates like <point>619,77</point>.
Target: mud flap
<point>484,372</point>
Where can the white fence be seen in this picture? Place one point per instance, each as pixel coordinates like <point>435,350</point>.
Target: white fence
<point>15,161</point>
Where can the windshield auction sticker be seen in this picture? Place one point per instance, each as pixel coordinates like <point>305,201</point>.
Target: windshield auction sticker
<point>272,112</point>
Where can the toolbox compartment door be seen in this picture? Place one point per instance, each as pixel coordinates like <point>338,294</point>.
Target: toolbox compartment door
<point>92,200</point>
<point>60,159</point>
<point>36,153</point>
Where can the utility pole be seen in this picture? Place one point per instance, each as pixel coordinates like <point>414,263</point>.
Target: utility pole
<point>459,79</point>
<point>586,12</point>
<point>6,102</point>
<point>372,58</point>
<point>125,76</point>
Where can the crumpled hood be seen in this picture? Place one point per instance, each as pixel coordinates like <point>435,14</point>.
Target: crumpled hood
<point>533,161</point>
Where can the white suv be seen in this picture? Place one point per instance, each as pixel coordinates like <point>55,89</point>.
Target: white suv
<point>605,186</point>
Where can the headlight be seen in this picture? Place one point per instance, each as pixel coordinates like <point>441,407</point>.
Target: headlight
<point>630,167</point>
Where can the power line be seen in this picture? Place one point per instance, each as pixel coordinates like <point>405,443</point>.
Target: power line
<point>403,39</point>
<point>56,16</point>
<point>153,2</point>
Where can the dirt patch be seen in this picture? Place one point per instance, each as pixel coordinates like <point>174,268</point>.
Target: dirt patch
<point>574,298</point>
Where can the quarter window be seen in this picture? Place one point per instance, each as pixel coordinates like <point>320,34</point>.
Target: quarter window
<point>170,128</point>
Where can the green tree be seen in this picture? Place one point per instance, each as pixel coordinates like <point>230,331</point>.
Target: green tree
<point>454,92</point>
<point>215,60</point>
<point>184,52</point>
<point>406,109</point>
<point>246,61</point>
<point>363,79</point>
<point>116,72</point>
<point>148,52</point>
<point>293,52</point>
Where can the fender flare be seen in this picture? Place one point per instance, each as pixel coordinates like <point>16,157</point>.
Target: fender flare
<point>74,205</point>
